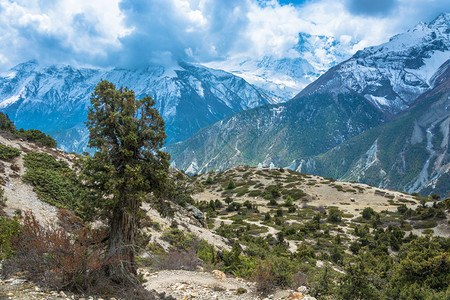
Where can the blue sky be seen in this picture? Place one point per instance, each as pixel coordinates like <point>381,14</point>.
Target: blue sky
<point>132,33</point>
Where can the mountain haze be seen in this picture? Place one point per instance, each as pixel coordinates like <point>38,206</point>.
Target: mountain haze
<point>284,77</point>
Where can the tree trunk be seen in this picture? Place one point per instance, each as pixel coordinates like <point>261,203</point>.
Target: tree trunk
<point>121,264</point>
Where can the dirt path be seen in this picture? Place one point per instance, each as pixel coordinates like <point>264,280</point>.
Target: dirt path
<point>210,285</point>
<point>199,285</point>
<point>273,231</point>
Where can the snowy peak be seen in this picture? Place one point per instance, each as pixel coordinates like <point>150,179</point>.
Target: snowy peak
<point>55,98</point>
<point>283,78</point>
<point>441,22</point>
<point>392,75</point>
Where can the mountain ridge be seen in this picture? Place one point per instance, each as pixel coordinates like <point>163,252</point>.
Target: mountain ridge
<point>55,98</point>
<point>341,116</point>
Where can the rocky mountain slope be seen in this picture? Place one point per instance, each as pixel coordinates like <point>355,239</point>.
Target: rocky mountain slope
<point>277,135</point>
<point>392,75</point>
<point>411,153</point>
<point>336,107</point>
<point>55,99</point>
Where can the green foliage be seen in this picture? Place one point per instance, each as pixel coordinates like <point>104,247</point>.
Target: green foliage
<point>6,124</point>
<point>9,229</point>
<point>279,212</point>
<point>289,201</point>
<point>127,166</point>
<point>37,136</point>
<point>2,197</point>
<point>231,185</point>
<point>6,153</point>
<point>334,215</point>
<point>273,202</point>
<point>423,269</point>
<point>322,284</point>
<point>272,191</point>
<point>186,242</point>
<point>33,135</point>
<point>238,264</point>
<point>254,193</point>
<point>367,213</point>
<point>295,194</point>
<point>208,181</point>
<point>425,224</point>
<point>228,200</point>
<point>357,283</point>
<point>56,183</point>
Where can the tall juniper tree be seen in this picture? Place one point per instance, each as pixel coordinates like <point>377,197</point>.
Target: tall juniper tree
<point>127,135</point>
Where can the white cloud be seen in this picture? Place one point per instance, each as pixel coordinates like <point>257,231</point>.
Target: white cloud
<point>68,30</point>
<point>273,29</point>
<point>134,32</point>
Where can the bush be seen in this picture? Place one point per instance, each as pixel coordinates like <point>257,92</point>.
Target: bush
<point>6,124</point>
<point>208,181</point>
<point>295,194</point>
<point>367,213</point>
<point>254,193</point>
<point>7,153</point>
<point>273,202</point>
<point>33,135</point>
<point>423,269</point>
<point>194,250</point>
<point>238,264</point>
<point>37,136</point>
<point>231,185</point>
<point>289,201</point>
<point>56,183</point>
<point>272,191</point>
<point>177,260</point>
<point>56,259</point>
<point>425,224</point>
<point>264,278</point>
<point>9,229</point>
<point>334,215</point>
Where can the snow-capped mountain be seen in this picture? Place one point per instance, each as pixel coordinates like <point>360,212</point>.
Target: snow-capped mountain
<point>392,75</point>
<point>284,77</point>
<point>411,153</point>
<point>343,103</point>
<point>55,98</point>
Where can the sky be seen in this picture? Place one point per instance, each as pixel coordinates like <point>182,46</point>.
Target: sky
<point>133,33</point>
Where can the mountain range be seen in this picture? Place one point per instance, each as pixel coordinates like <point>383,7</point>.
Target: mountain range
<point>189,96</point>
<point>379,87</point>
<point>55,98</point>
<point>342,120</point>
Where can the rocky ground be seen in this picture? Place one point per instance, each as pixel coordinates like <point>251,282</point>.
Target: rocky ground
<point>351,198</point>
<point>179,284</point>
